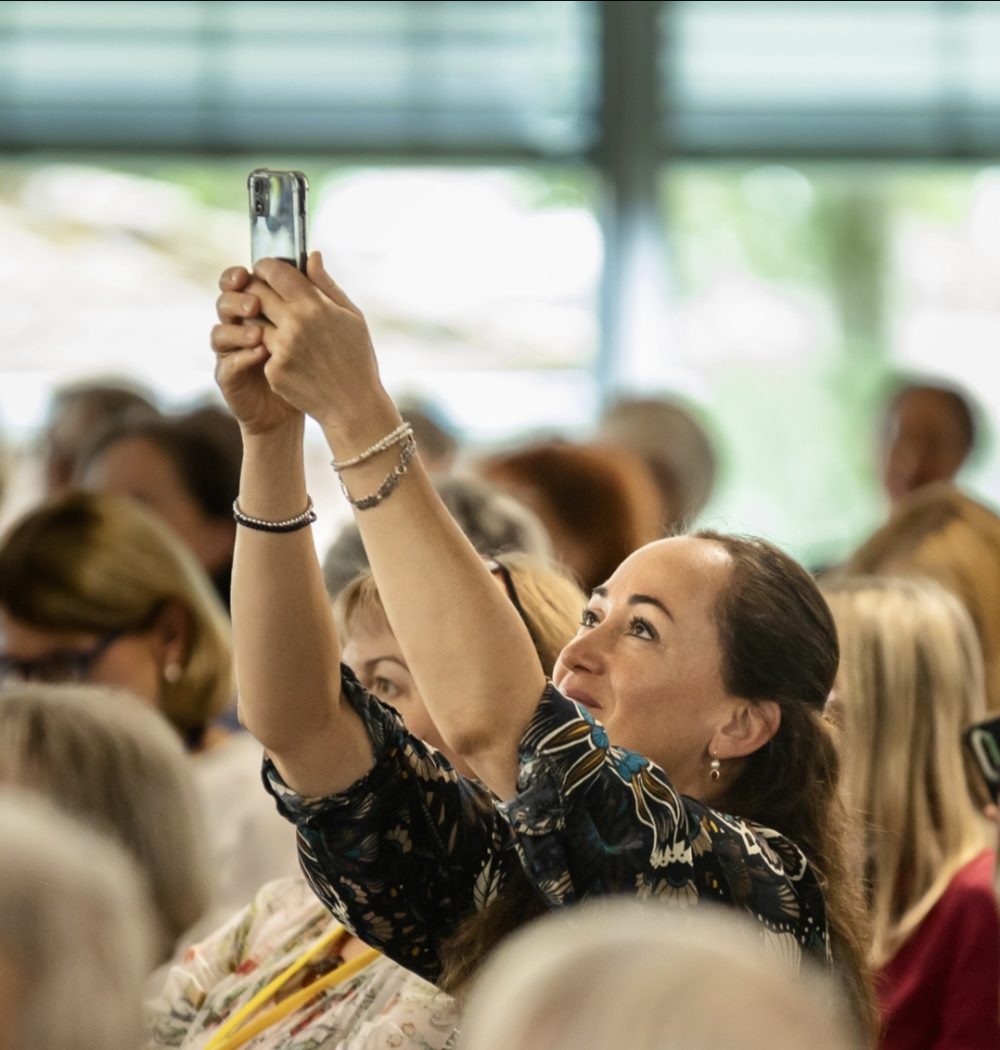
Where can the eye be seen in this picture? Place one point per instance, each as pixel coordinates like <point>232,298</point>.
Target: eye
<point>588,618</point>
<point>642,628</point>
<point>385,689</point>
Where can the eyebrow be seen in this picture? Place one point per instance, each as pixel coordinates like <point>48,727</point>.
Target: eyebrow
<point>391,659</point>
<point>638,599</point>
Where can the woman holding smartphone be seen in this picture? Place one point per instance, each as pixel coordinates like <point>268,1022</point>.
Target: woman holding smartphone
<point>679,751</point>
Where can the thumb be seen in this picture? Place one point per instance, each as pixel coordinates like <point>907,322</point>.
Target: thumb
<point>316,273</point>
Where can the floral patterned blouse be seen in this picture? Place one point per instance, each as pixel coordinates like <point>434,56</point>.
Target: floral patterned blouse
<point>383,1006</point>
<point>412,848</point>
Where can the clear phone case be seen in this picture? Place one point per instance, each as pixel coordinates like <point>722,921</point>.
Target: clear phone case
<point>278,215</point>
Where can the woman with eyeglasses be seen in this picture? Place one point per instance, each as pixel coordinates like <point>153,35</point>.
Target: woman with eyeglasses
<point>96,589</point>
<point>679,750</point>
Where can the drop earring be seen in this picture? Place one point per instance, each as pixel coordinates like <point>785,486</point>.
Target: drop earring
<point>172,672</point>
<point>715,769</point>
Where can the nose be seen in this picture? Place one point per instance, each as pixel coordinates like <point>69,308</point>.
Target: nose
<point>585,652</point>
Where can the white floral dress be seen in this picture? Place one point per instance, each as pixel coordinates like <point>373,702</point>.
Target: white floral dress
<point>383,1006</point>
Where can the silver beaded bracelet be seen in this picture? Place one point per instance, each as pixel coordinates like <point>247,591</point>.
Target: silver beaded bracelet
<point>300,521</point>
<point>408,449</point>
<point>396,437</point>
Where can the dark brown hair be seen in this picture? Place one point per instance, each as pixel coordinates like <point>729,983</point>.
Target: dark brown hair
<point>779,643</point>
<point>204,447</point>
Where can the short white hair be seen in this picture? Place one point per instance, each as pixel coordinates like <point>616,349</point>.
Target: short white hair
<point>639,973</point>
<point>76,933</point>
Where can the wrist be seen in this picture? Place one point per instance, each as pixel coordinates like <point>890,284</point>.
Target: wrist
<point>272,479</point>
<point>287,436</point>
<point>365,423</point>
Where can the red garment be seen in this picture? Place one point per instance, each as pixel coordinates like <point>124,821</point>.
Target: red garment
<point>941,990</point>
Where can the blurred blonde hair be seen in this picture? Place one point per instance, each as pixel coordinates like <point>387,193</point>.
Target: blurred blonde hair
<point>618,972</point>
<point>119,767</point>
<point>97,563</point>
<point>551,601</point>
<point>910,680</point>
<point>76,934</point>
<point>941,533</point>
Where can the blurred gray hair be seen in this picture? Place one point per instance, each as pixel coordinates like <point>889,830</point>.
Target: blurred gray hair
<point>668,435</point>
<point>494,521</point>
<point>76,933</point>
<point>650,976</point>
<point>119,767</point>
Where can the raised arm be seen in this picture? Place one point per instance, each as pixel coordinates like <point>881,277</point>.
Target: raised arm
<point>286,648</point>
<point>470,654</point>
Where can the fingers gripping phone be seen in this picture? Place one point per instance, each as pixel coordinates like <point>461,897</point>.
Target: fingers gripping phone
<point>983,743</point>
<point>278,215</point>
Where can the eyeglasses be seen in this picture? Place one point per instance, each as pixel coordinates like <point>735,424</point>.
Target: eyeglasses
<point>497,568</point>
<point>61,665</point>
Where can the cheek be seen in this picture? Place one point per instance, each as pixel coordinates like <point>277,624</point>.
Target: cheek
<point>131,667</point>
<point>187,522</point>
<point>558,672</point>
<point>418,721</point>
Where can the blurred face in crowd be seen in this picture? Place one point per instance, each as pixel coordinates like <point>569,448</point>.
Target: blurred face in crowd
<point>373,653</point>
<point>925,441</point>
<point>133,660</point>
<point>646,660</point>
<point>135,466</point>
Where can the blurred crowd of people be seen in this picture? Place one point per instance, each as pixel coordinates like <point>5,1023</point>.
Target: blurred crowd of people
<point>818,867</point>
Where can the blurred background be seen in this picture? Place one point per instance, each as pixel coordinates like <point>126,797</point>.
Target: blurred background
<point>766,209</point>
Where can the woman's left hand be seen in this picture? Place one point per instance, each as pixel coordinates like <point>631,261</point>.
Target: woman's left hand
<point>321,355</point>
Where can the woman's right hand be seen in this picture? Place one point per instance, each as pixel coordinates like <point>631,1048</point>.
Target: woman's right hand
<point>238,343</point>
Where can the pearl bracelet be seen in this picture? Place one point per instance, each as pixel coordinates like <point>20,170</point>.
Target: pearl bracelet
<point>403,431</point>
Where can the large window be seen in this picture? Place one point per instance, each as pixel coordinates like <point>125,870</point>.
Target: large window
<point>387,75</point>
<point>764,207</point>
<point>831,77</point>
<point>799,290</point>
<point>480,284</point>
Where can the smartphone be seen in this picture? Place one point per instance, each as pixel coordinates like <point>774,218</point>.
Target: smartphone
<point>278,201</point>
<point>982,741</point>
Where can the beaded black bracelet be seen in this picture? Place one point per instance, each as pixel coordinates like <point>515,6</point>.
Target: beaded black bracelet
<point>300,521</point>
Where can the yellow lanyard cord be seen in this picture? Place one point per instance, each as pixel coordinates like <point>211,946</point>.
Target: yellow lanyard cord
<point>293,1002</point>
<point>249,1026</point>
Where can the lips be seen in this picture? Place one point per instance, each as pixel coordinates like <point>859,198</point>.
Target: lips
<point>582,698</point>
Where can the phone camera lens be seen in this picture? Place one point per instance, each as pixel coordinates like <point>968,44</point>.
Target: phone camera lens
<point>258,206</point>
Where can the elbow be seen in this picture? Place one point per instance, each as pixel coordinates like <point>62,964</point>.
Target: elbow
<point>469,741</point>
<point>478,745</point>
<point>261,729</point>
<point>490,722</point>
<point>277,733</point>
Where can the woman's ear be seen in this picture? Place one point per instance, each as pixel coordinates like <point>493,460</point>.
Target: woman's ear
<point>173,630</point>
<point>751,726</point>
